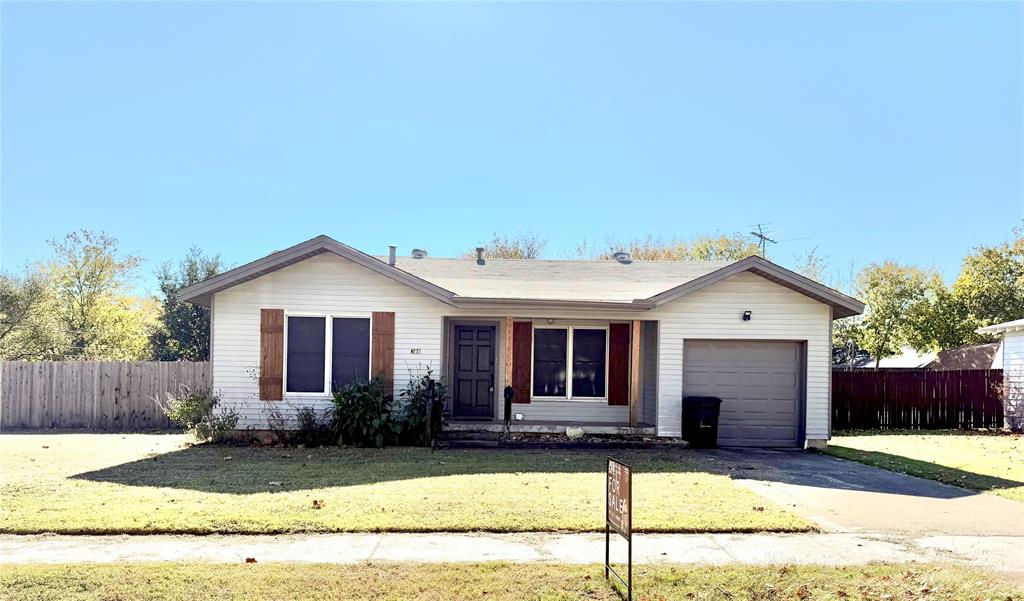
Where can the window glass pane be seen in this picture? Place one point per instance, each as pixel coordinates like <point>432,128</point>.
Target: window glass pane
<point>306,349</point>
<point>588,360</point>
<point>549,362</point>
<point>350,352</point>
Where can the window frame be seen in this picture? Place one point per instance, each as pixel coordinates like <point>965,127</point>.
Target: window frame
<point>328,351</point>
<point>568,362</point>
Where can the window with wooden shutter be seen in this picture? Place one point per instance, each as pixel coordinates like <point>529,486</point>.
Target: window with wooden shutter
<point>382,349</point>
<point>618,363</point>
<point>522,342</point>
<point>271,378</point>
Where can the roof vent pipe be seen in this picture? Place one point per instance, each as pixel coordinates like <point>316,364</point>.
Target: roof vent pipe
<point>392,254</point>
<point>479,255</point>
<point>622,257</point>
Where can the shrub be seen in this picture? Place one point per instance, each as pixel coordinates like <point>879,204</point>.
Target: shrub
<point>314,428</point>
<point>362,414</point>
<point>421,394</point>
<point>197,413</point>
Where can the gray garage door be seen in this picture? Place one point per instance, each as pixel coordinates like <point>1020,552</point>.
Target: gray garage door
<point>759,384</point>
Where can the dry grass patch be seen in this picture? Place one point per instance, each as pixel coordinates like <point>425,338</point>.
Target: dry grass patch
<point>495,581</point>
<point>990,462</point>
<point>110,483</point>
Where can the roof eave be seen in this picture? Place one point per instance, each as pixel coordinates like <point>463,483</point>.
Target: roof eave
<point>202,292</point>
<point>1000,329</point>
<point>842,305</point>
<point>476,301</point>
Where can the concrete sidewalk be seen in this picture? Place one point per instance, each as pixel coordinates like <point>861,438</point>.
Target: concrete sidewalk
<point>1001,553</point>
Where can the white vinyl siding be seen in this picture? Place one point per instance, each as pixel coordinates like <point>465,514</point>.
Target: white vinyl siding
<point>323,284</point>
<point>1013,359</point>
<point>715,312</point>
<point>649,374</point>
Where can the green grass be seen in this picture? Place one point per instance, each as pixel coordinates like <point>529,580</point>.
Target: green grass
<point>498,582</point>
<point>991,462</point>
<point>109,483</point>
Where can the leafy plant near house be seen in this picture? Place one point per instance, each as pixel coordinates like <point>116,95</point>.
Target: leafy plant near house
<point>424,398</point>
<point>362,414</point>
<point>196,411</point>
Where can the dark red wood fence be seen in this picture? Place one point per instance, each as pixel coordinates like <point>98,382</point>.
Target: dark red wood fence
<point>924,399</point>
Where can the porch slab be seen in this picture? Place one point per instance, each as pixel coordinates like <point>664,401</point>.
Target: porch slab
<point>536,427</point>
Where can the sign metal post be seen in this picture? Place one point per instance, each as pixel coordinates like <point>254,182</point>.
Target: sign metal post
<point>618,511</point>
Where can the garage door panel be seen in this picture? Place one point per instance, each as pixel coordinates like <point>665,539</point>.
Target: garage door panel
<point>758,382</point>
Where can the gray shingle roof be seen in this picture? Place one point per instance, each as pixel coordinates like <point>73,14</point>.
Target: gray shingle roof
<point>556,280</point>
<point>461,282</point>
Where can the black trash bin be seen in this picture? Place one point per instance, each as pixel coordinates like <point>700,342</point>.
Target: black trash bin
<point>700,421</point>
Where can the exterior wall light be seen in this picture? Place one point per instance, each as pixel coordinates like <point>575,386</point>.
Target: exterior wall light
<point>746,316</point>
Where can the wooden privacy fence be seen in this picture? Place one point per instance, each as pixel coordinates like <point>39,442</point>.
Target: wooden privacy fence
<point>96,395</point>
<point>916,398</point>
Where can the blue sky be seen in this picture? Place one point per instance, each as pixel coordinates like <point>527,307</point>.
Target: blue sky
<point>876,130</point>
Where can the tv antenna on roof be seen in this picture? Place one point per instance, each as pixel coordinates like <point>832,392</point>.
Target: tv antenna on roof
<point>762,237</point>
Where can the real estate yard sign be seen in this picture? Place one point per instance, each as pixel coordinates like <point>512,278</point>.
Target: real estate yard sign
<point>619,517</point>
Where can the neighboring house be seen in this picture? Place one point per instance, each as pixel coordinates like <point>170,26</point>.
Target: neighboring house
<point>907,359</point>
<point>612,343</point>
<point>1012,334</point>
<point>972,356</point>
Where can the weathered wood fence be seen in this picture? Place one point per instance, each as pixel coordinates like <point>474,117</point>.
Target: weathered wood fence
<point>114,396</point>
<point>916,398</point>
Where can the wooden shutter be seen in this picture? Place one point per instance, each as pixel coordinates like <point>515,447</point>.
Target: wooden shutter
<point>618,363</point>
<point>382,348</point>
<point>522,357</point>
<point>271,354</point>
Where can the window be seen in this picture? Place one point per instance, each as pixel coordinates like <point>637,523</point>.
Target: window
<point>549,347</point>
<point>584,349</point>
<point>588,361</point>
<point>306,351</point>
<point>350,351</point>
<point>311,340</point>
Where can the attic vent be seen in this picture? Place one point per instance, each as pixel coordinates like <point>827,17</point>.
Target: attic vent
<point>418,253</point>
<point>622,257</point>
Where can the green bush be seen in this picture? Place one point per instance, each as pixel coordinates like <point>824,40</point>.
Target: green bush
<point>362,414</point>
<point>422,393</point>
<point>196,412</point>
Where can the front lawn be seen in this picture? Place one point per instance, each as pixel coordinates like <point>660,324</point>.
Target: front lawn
<point>992,462</point>
<point>111,483</point>
<point>498,582</point>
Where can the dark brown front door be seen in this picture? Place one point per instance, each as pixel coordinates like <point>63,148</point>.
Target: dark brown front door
<point>473,390</point>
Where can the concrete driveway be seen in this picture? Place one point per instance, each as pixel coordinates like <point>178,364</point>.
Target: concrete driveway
<point>844,496</point>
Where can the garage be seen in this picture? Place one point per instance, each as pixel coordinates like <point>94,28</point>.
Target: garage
<point>760,384</point>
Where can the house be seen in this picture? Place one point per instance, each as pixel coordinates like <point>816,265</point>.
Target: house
<point>908,358</point>
<point>591,343</point>
<point>972,356</point>
<point>1012,334</point>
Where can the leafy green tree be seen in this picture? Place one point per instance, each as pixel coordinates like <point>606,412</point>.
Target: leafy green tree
<point>892,293</point>
<point>706,247</point>
<point>938,321</point>
<point>990,287</point>
<point>28,330</point>
<point>524,245</point>
<point>184,331</point>
<point>91,280</point>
